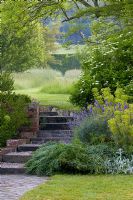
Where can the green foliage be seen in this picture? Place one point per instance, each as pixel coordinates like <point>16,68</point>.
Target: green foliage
<point>69,158</point>
<point>105,95</point>
<point>12,115</point>
<point>94,130</point>
<point>108,64</point>
<point>12,109</point>
<point>65,62</point>
<point>6,82</point>
<point>121,126</point>
<point>109,119</point>
<point>82,8</point>
<point>81,93</point>
<point>24,42</point>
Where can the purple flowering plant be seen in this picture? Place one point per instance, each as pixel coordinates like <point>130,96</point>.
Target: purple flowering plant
<point>106,110</point>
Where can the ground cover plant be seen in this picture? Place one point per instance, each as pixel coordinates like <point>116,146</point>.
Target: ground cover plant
<point>78,158</point>
<point>71,187</point>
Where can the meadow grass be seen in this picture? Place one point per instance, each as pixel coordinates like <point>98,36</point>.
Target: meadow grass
<point>47,86</point>
<point>57,100</point>
<point>77,187</point>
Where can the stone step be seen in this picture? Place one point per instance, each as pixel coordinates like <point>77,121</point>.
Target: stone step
<point>28,147</point>
<point>48,139</point>
<point>54,133</point>
<point>48,113</point>
<point>54,119</point>
<point>54,126</point>
<point>17,157</point>
<point>12,168</point>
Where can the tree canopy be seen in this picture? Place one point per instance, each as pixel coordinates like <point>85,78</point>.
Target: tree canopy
<point>24,42</point>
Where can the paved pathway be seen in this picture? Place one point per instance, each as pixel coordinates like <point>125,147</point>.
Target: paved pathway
<point>12,187</point>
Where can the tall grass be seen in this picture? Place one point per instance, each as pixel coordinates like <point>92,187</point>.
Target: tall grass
<point>46,80</point>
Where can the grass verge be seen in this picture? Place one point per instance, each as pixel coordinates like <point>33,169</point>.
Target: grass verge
<point>57,100</point>
<point>73,187</point>
<point>49,87</point>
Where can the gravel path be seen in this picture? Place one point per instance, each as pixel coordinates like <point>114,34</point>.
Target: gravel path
<point>12,187</point>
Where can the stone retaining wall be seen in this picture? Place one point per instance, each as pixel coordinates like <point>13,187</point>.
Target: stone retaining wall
<point>33,115</point>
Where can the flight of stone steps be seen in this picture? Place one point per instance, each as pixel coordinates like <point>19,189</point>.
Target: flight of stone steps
<point>51,128</point>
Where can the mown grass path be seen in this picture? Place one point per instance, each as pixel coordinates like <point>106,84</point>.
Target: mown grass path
<point>58,100</point>
<point>72,187</point>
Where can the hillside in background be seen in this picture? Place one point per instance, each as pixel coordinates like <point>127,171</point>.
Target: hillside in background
<point>82,27</point>
<point>67,33</point>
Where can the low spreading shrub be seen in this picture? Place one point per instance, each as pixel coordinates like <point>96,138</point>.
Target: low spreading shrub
<point>119,164</point>
<point>93,130</point>
<point>53,158</point>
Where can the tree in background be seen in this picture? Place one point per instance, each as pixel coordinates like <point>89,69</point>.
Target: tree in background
<point>108,57</point>
<point>24,42</point>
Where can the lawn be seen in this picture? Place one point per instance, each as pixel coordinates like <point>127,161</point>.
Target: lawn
<point>49,87</point>
<point>73,187</point>
<point>58,100</point>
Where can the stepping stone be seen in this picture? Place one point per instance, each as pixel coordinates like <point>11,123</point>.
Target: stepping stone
<point>52,128</point>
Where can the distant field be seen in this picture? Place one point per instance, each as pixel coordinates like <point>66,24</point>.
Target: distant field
<point>47,86</point>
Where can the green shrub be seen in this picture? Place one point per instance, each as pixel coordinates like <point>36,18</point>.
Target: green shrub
<point>108,64</point>
<point>81,93</point>
<point>93,130</point>
<point>12,115</point>
<point>54,158</point>
<point>121,126</point>
<point>6,82</point>
<point>64,62</point>
<point>108,119</point>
